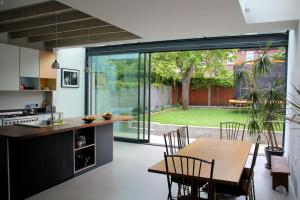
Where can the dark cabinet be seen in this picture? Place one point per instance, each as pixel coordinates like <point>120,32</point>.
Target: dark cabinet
<point>40,163</point>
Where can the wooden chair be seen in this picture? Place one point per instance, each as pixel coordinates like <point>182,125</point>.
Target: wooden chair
<point>184,135</point>
<point>246,186</point>
<point>172,142</point>
<point>187,171</point>
<point>231,130</point>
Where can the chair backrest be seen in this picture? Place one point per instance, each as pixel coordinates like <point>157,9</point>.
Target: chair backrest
<point>184,135</point>
<point>187,171</point>
<point>172,142</point>
<point>232,130</point>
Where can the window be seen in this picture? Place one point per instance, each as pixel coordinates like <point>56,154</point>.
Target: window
<point>249,56</point>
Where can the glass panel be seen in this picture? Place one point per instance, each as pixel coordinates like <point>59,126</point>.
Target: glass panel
<point>144,96</point>
<point>115,89</point>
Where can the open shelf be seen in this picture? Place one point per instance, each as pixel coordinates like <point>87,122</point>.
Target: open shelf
<point>47,84</point>
<point>84,149</point>
<point>29,83</point>
<point>84,158</point>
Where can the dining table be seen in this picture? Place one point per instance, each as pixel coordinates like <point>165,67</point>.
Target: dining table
<point>230,158</point>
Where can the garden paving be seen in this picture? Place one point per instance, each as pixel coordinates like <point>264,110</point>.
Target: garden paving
<point>157,129</point>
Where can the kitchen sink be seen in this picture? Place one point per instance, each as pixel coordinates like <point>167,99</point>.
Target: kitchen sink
<point>42,124</point>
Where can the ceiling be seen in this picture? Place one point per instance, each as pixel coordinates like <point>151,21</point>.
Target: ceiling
<point>176,19</point>
<point>53,24</point>
<point>158,20</point>
<point>258,11</point>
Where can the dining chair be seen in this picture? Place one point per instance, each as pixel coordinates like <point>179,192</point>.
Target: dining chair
<point>188,170</point>
<point>184,135</point>
<point>246,185</point>
<point>232,130</point>
<point>172,142</point>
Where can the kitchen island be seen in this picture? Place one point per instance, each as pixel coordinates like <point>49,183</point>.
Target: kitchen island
<point>35,159</point>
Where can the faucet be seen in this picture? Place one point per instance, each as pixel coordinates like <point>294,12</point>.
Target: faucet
<point>45,102</point>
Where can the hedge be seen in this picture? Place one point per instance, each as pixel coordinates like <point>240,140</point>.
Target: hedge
<point>197,83</point>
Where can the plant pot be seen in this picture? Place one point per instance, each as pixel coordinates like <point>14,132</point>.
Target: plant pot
<point>276,151</point>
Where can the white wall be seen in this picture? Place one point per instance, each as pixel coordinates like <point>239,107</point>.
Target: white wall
<point>18,100</point>
<point>70,101</point>
<point>293,131</point>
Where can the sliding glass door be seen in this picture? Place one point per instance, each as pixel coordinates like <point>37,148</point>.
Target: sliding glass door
<point>119,85</point>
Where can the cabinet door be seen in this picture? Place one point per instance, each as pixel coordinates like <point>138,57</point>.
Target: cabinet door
<point>9,67</point>
<point>104,144</point>
<point>46,60</point>
<point>29,62</point>
<point>40,163</point>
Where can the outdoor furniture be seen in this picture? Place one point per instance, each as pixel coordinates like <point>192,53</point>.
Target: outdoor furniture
<point>231,130</point>
<point>184,135</point>
<point>230,158</point>
<point>279,172</point>
<point>238,103</point>
<point>186,170</point>
<point>246,184</point>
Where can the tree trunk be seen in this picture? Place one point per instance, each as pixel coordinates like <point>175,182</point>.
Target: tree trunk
<point>186,78</point>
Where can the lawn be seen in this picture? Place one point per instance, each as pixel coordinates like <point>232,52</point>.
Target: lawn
<point>209,117</point>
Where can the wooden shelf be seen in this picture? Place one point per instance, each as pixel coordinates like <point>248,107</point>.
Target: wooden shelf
<point>36,90</point>
<point>89,166</point>
<point>84,147</point>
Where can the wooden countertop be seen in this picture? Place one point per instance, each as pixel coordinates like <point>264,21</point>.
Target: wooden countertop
<point>22,132</point>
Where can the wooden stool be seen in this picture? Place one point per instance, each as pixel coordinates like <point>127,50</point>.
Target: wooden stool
<point>279,172</point>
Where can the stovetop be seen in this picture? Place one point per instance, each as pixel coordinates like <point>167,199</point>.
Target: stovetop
<point>17,115</point>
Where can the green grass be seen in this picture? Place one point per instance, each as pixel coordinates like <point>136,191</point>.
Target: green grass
<point>209,117</point>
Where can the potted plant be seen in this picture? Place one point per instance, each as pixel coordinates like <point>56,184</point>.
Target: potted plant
<point>266,112</point>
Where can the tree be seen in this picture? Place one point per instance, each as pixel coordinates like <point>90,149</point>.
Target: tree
<point>179,67</point>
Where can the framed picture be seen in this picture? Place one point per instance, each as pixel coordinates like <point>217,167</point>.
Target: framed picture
<point>69,78</point>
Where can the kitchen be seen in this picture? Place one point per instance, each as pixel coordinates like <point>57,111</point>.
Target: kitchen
<point>28,88</point>
<point>56,55</point>
<point>44,140</point>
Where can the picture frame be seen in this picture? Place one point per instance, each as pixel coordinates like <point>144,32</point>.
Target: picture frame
<point>70,78</point>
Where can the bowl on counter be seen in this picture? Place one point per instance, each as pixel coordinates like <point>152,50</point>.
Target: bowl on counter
<point>107,116</point>
<point>89,119</point>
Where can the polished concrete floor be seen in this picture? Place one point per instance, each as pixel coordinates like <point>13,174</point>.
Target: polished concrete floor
<point>127,178</point>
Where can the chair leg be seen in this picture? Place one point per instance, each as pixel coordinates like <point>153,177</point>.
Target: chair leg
<point>253,186</point>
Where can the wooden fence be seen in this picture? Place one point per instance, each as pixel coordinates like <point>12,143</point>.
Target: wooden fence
<point>213,96</point>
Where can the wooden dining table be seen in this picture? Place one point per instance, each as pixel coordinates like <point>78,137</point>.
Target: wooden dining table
<point>230,158</point>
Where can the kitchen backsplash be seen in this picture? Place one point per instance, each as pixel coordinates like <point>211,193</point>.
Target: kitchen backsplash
<point>18,100</point>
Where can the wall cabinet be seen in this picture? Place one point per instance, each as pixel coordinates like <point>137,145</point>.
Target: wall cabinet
<point>29,63</point>
<point>9,67</point>
<point>26,69</point>
<point>46,60</point>
<point>47,74</point>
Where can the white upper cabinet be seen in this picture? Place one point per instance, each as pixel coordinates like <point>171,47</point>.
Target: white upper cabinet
<point>9,67</point>
<point>29,63</point>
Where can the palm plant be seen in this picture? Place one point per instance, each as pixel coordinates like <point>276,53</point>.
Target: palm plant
<point>266,110</point>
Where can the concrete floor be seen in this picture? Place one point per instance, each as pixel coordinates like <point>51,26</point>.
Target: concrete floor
<point>127,178</point>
